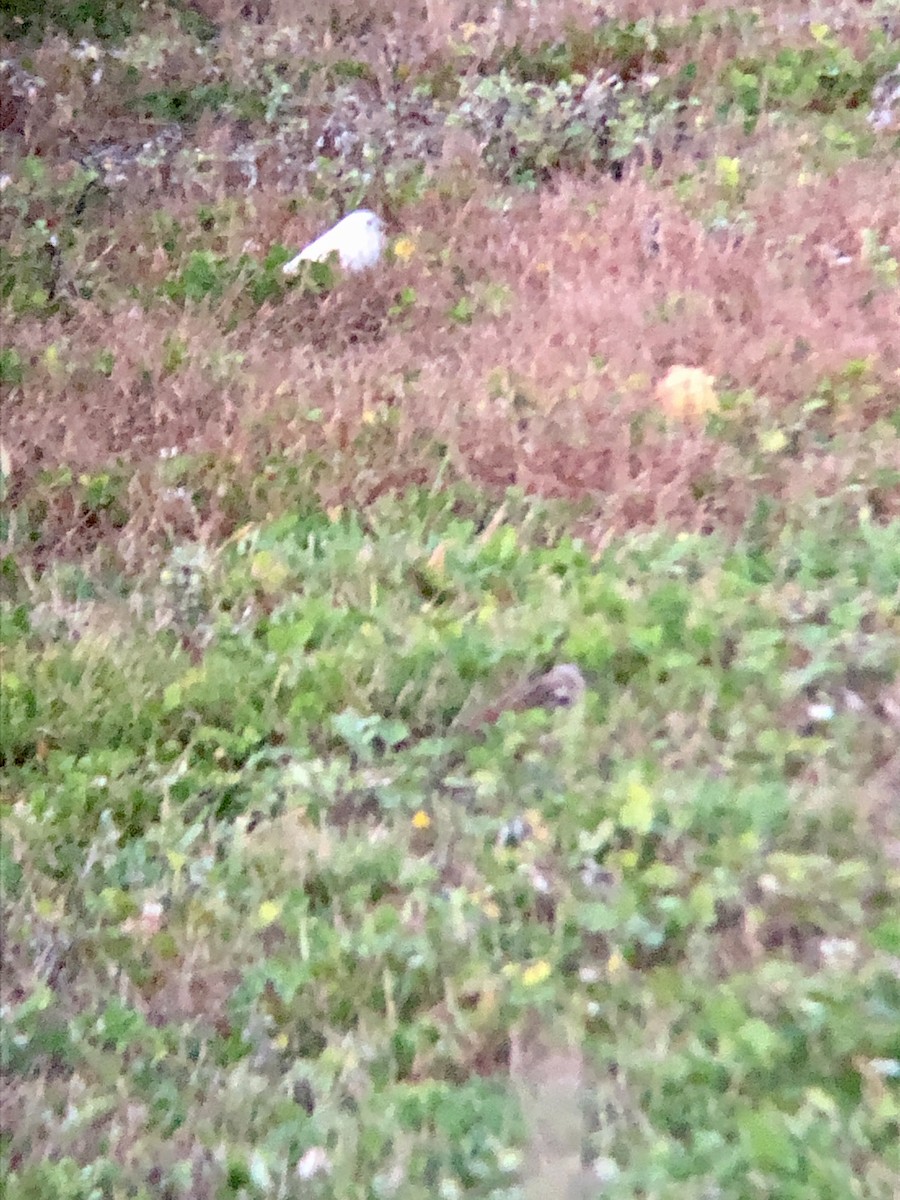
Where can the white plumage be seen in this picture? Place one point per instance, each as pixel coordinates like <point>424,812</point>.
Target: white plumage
<point>358,240</point>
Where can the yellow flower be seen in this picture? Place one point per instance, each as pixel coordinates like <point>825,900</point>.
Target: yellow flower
<point>268,570</point>
<point>421,820</point>
<point>269,911</point>
<point>687,393</point>
<point>539,831</point>
<point>536,973</point>
<point>404,249</point>
<point>615,964</point>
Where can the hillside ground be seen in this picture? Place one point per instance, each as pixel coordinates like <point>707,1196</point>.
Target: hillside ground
<point>282,917</point>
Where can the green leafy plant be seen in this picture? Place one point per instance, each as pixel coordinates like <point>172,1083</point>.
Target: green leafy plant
<point>528,130</point>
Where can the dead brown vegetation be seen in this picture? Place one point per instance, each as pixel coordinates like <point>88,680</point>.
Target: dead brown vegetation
<point>532,333</point>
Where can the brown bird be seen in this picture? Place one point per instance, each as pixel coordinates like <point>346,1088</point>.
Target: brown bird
<point>560,687</point>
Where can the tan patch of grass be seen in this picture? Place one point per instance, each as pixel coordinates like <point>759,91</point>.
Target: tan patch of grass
<point>524,334</point>
<point>578,309</point>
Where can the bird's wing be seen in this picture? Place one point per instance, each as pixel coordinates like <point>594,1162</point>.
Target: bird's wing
<point>316,251</point>
<point>319,250</point>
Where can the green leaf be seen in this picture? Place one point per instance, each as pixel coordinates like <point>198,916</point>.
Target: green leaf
<point>886,936</point>
<point>767,1141</point>
<point>269,571</point>
<point>728,172</point>
<point>637,810</point>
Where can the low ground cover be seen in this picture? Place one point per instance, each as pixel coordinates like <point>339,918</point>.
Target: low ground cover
<point>282,917</point>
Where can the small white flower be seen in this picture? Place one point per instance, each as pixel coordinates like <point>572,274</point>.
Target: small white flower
<point>358,241</point>
<point>314,1162</point>
<point>839,952</point>
<point>606,1169</point>
<point>179,494</point>
<point>888,1068</point>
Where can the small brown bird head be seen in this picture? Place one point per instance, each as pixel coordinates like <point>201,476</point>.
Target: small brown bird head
<point>560,687</point>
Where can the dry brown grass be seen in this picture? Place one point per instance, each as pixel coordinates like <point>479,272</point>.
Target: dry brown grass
<point>514,394</point>
<point>581,298</point>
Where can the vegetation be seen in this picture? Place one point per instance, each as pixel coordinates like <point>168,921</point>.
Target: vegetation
<point>282,916</point>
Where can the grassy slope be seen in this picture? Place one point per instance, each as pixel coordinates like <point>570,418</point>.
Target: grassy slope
<point>276,924</point>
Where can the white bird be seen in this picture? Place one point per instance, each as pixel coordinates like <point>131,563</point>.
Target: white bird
<point>358,241</point>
